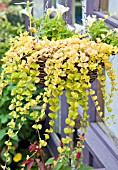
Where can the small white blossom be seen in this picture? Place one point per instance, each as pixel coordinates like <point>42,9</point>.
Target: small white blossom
<point>50,10</point>
<point>27,11</point>
<point>90,21</point>
<point>61,10</point>
<point>116,29</point>
<point>70,27</point>
<point>79,28</point>
<point>103,36</point>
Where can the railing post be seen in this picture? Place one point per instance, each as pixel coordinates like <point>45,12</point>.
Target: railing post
<point>64,113</point>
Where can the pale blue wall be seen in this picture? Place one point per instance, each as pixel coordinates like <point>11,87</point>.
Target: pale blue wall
<point>114,105</point>
<point>113,6</point>
<point>38,8</point>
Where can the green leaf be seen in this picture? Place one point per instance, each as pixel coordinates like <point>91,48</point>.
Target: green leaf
<point>13,152</point>
<point>54,108</point>
<point>66,168</point>
<point>49,161</point>
<point>58,166</point>
<point>11,107</point>
<point>2,154</point>
<point>4,118</point>
<point>31,87</point>
<point>2,142</point>
<point>84,167</point>
<point>15,138</point>
<point>39,126</point>
<point>3,157</point>
<point>2,133</point>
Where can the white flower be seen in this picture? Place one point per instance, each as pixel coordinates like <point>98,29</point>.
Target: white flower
<point>50,10</point>
<point>70,27</point>
<point>61,10</point>
<point>103,36</point>
<point>79,28</point>
<point>116,29</point>
<point>90,21</point>
<point>27,11</point>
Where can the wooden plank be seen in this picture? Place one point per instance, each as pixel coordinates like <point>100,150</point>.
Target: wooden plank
<point>53,143</point>
<point>100,169</point>
<point>113,23</point>
<point>100,151</point>
<point>105,139</point>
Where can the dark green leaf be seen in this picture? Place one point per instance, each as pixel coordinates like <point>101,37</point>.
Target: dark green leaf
<point>4,118</point>
<point>49,161</point>
<point>13,152</point>
<point>2,133</point>
<point>15,138</point>
<point>58,166</point>
<point>84,167</point>
<point>66,168</point>
<point>2,142</point>
<point>3,157</point>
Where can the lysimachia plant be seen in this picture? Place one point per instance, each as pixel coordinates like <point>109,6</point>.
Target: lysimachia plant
<point>10,28</point>
<point>66,63</point>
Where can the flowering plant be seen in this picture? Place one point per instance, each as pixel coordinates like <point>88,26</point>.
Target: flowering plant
<point>97,30</point>
<point>61,61</point>
<point>61,161</point>
<point>52,24</point>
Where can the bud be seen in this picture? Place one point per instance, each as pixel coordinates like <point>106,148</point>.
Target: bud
<point>78,155</point>
<point>61,144</point>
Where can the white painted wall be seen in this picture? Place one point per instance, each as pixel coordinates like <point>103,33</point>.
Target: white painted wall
<point>114,105</point>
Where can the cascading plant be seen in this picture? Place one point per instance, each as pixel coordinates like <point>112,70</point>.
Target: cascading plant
<point>66,64</point>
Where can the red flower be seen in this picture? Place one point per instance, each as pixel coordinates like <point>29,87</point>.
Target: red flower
<point>78,155</point>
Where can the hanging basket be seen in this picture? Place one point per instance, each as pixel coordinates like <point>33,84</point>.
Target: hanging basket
<point>41,62</point>
<point>49,52</point>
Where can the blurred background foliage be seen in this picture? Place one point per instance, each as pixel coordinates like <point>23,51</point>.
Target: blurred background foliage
<point>12,23</point>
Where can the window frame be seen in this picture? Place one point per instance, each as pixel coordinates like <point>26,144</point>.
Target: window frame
<point>75,4</point>
<point>93,9</point>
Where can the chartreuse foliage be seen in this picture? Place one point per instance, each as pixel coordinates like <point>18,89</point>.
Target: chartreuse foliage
<point>54,28</point>
<point>67,65</point>
<point>103,33</point>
